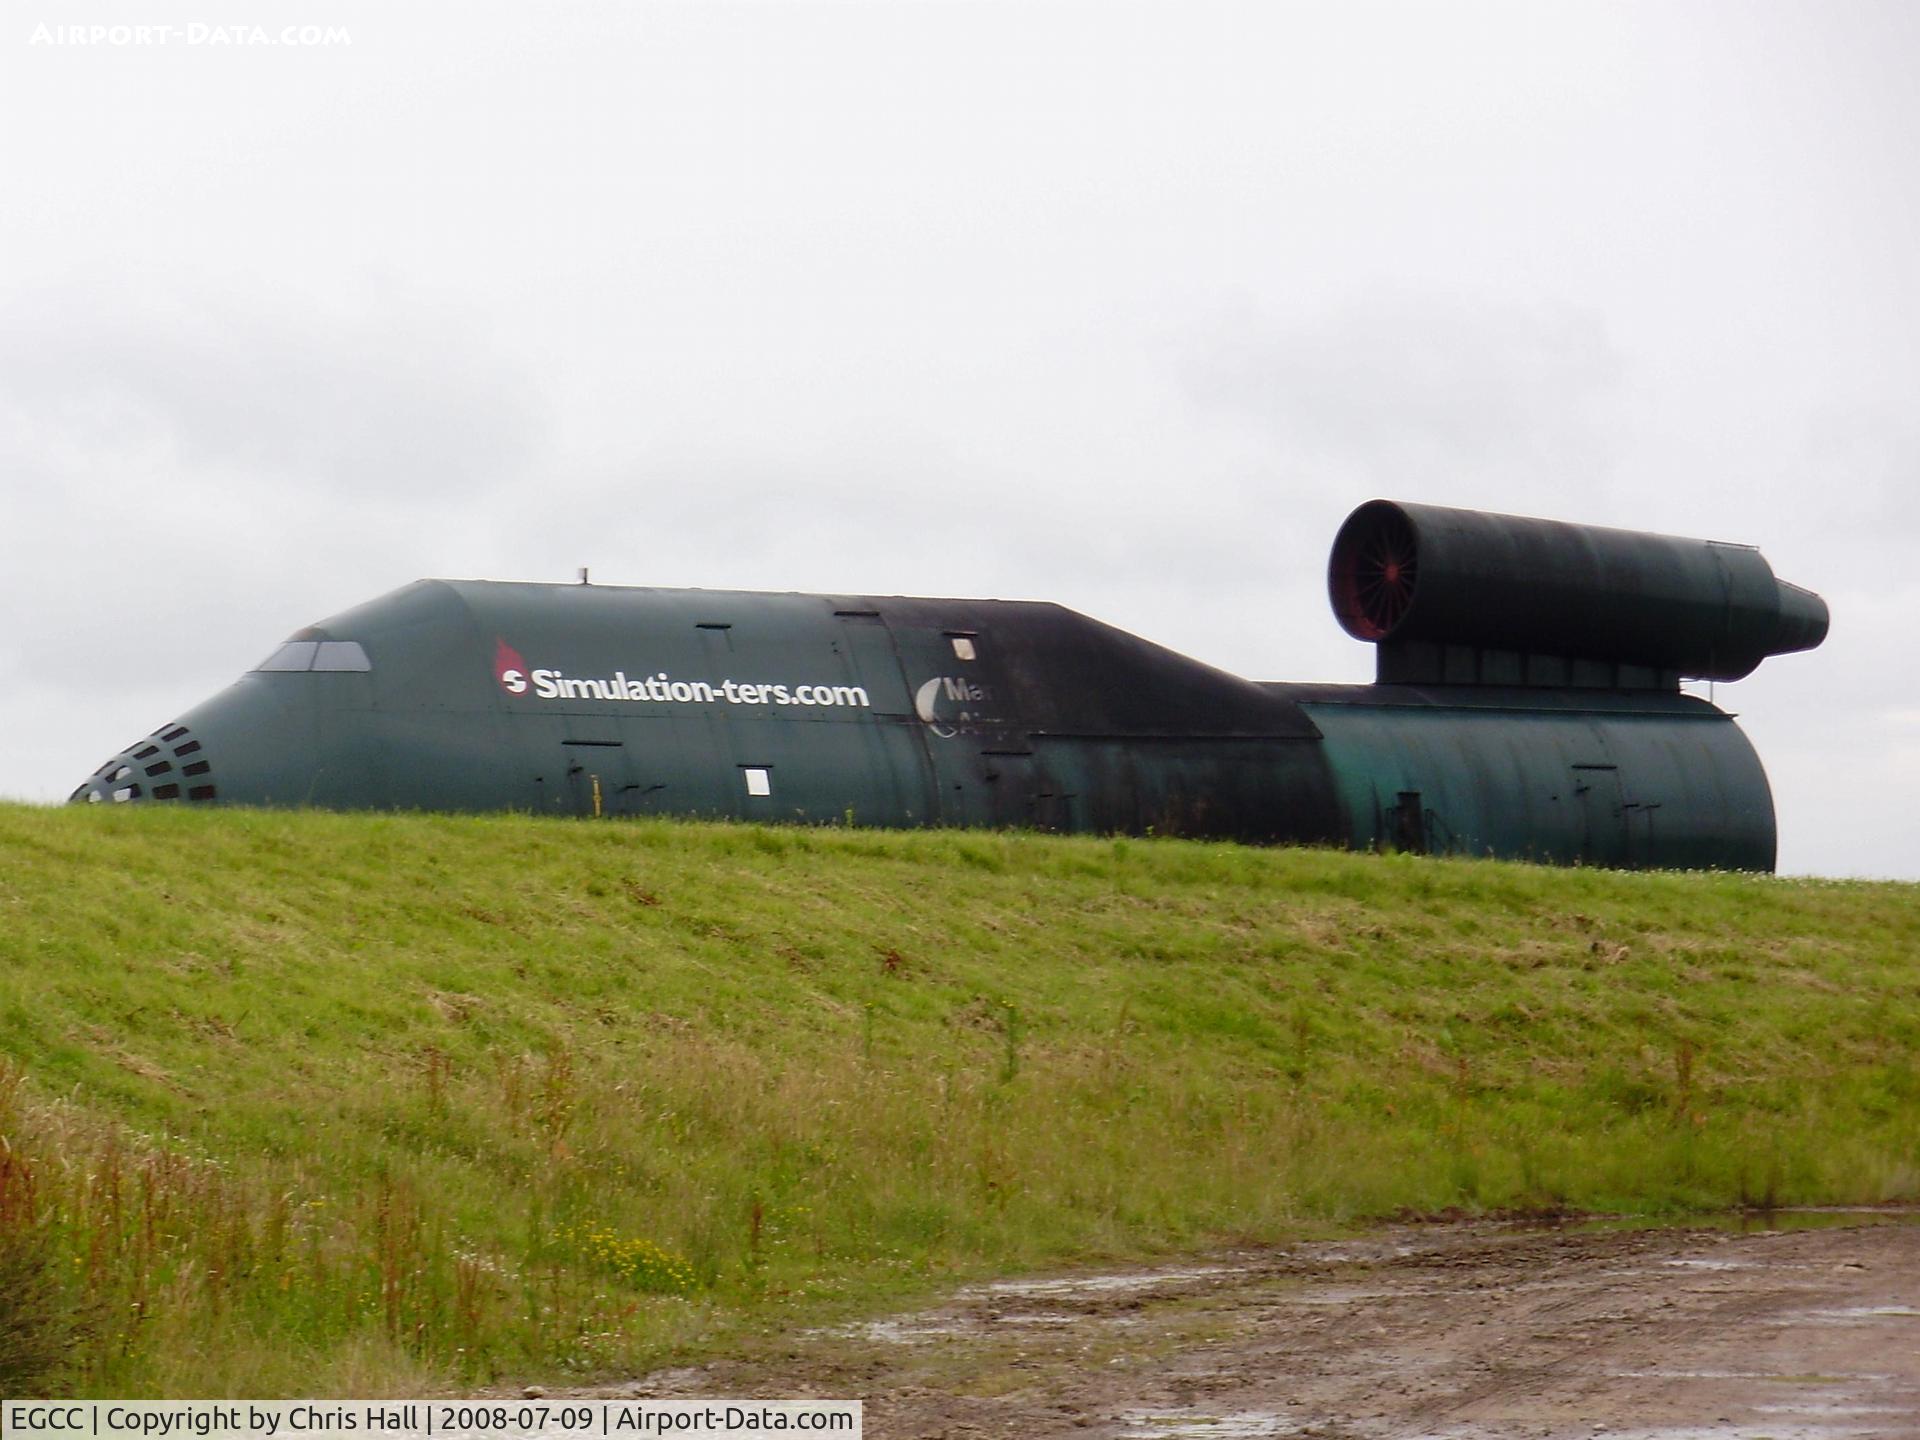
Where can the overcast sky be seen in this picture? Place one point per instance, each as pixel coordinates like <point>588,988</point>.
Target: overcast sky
<point>1123,306</point>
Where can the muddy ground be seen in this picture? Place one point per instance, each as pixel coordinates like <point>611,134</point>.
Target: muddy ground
<point>1469,1331</point>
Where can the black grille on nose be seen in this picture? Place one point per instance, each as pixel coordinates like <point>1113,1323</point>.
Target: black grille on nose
<point>153,757</point>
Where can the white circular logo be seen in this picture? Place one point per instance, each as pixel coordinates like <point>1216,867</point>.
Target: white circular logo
<point>926,704</point>
<point>515,682</point>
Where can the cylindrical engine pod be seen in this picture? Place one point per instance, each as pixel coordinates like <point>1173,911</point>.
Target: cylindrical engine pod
<point>1404,572</point>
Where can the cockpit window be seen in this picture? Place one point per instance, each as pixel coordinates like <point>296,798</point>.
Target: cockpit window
<point>317,655</point>
<point>294,655</point>
<point>341,655</point>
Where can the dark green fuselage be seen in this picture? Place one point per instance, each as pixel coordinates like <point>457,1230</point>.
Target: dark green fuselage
<point>604,701</point>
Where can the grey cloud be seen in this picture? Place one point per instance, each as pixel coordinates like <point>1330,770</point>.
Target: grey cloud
<point>1416,383</point>
<point>1860,469</point>
<point>377,395</point>
<point>217,472</point>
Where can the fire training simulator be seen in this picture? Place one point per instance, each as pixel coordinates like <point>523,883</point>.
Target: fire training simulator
<point>1527,705</point>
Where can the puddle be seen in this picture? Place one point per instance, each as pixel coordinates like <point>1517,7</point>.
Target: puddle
<point>1736,1222</point>
<point>916,1331</point>
<point>919,1329</point>
<point>1336,1296</point>
<point>1847,1376</point>
<point>1201,1425</point>
<point>1853,1314</point>
<point>1118,1282</point>
<point>1691,1264</point>
<point>1355,1252</point>
<point>1767,1430</point>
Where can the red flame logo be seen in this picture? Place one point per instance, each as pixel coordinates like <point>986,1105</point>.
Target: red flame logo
<point>509,668</point>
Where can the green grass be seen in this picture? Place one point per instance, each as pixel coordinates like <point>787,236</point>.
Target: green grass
<point>306,1103</point>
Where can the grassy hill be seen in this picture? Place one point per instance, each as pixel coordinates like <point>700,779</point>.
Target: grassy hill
<point>306,1103</point>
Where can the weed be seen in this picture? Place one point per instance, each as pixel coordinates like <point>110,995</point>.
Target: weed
<point>636,1262</point>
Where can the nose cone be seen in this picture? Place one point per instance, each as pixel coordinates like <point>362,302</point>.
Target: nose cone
<point>250,745</point>
<point>173,763</point>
